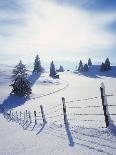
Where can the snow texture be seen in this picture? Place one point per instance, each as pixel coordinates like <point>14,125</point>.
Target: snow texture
<point>83,134</point>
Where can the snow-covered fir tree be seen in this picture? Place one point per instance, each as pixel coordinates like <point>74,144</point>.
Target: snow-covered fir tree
<point>61,69</point>
<point>107,64</point>
<point>20,69</point>
<point>52,69</point>
<point>21,86</point>
<point>89,62</point>
<point>85,68</point>
<point>80,68</point>
<point>102,67</point>
<point>37,65</point>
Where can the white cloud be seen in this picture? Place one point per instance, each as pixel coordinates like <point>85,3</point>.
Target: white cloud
<point>56,30</point>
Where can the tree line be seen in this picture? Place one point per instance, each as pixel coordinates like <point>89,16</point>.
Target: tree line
<point>21,85</point>
<point>105,66</point>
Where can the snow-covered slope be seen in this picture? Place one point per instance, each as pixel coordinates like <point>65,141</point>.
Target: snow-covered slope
<point>85,133</point>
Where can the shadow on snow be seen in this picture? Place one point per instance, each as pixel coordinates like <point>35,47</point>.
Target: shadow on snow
<point>13,101</point>
<point>34,77</point>
<point>94,72</point>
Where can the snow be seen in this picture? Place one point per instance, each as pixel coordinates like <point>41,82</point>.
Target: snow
<point>85,132</point>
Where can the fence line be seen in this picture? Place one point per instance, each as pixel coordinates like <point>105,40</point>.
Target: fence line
<point>54,112</point>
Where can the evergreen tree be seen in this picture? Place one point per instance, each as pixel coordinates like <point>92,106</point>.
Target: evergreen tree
<point>61,69</point>
<point>80,68</point>
<point>107,64</point>
<point>21,86</point>
<point>89,62</point>
<point>52,69</point>
<point>37,65</point>
<point>85,68</point>
<point>102,68</point>
<point>20,69</point>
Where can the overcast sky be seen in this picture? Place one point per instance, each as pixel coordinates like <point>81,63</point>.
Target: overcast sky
<point>59,30</point>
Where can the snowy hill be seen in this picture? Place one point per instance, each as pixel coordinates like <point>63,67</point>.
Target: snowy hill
<point>85,132</point>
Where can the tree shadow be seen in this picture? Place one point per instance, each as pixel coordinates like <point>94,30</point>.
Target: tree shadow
<point>12,101</point>
<point>94,72</point>
<point>70,138</point>
<point>34,77</point>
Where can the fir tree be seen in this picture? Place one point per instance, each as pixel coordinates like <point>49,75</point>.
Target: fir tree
<point>102,68</point>
<point>20,69</point>
<point>89,62</point>
<point>52,69</point>
<point>21,86</point>
<point>61,69</point>
<point>85,68</point>
<point>37,65</point>
<point>80,68</point>
<point>107,64</point>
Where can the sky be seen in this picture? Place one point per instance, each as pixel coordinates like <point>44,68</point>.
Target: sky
<point>59,30</point>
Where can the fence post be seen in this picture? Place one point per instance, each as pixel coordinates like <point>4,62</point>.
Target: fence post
<point>10,115</point>
<point>64,110</point>
<point>26,116</point>
<point>35,117</point>
<point>104,107</point>
<point>43,115</point>
<point>30,117</point>
<point>20,117</point>
<point>16,116</point>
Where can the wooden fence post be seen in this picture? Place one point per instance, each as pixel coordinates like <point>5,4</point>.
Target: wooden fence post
<point>104,107</point>
<point>43,115</point>
<point>16,116</point>
<point>26,116</point>
<point>35,117</point>
<point>30,117</point>
<point>20,117</point>
<point>12,115</point>
<point>64,110</point>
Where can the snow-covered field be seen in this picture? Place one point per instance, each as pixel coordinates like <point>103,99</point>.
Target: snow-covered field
<point>85,132</point>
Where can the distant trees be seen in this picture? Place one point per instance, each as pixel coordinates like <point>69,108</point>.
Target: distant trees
<point>52,69</point>
<point>105,66</point>
<point>80,68</point>
<point>21,85</point>
<point>61,69</point>
<point>89,62</point>
<point>37,65</point>
<point>83,68</point>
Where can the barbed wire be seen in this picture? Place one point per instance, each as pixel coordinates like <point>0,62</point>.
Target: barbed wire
<point>84,107</point>
<point>55,111</point>
<point>86,99</point>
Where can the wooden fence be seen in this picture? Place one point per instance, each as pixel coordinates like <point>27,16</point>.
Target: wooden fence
<point>27,116</point>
